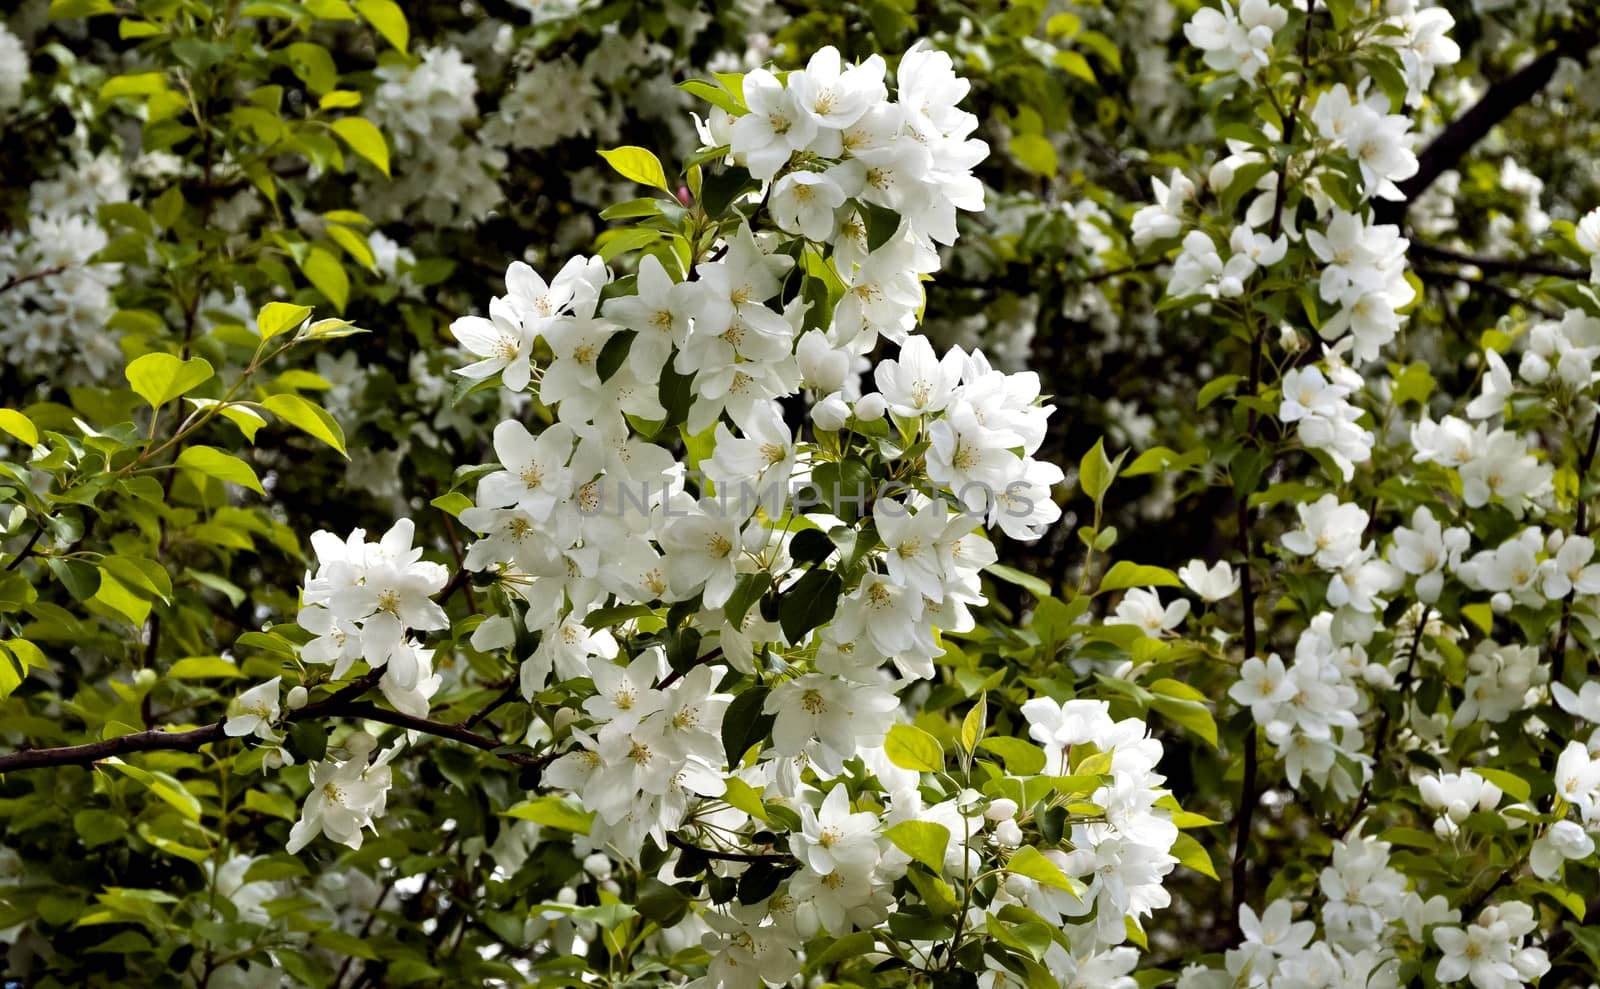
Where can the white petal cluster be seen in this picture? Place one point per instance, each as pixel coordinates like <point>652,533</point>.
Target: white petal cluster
<point>1376,139</point>
<point>346,795</point>
<point>1490,952</point>
<point>362,602</point>
<point>14,72</point>
<point>1122,859</point>
<point>1364,274</point>
<point>1327,419</point>
<point>1237,40</point>
<point>1495,465</point>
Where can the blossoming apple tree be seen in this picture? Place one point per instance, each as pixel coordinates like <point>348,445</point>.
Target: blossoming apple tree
<point>727,653</point>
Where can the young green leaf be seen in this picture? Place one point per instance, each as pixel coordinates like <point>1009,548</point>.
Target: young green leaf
<point>638,164</point>
<point>160,378</point>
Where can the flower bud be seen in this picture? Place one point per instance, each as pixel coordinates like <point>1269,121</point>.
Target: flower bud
<point>272,759</point>
<point>598,866</point>
<point>1001,809</point>
<point>821,366</point>
<point>145,679</point>
<point>1008,834</point>
<point>1222,175</point>
<point>1500,603</point>
<point>870,407</point>
<point>297,697</point>
<point>831,413</point>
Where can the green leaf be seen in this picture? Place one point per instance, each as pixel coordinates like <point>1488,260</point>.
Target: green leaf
<point>1030,862</point>
<point>212,462</point>
<point>909,747</point>
<point>1035,153</point>
<point>1214,389</point>
<point>1076,65</point>
<point>324,271</point>
<point>204,668</point>
<point>1510,784</point>
<point>744,722</point>
<point>1191,714</point>
<point>924,841</point>
<point>638,164</point>
<point>364,139</point>
<point>117,596</point>
<point>275,804</point>
<point>307,416</point>
<point>553,812</point>
<point>1191,853</point>
<point>975,723</point>
<point>1021,758</point>
<point>20,426</point>
<point>280,317</point>
<point>742,796</point>
<point>1027,581</point>
<point>387,19</point>
<point>1123,575</point>
<point>1096,472</point>
<point>160,378</point>
<point>135,84</point>
<point>314,66</point>
<point>355,244</point>
<point>809,603</point>
<point>713,94</point>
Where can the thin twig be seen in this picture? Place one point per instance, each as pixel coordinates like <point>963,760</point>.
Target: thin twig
<point>711,853</point>
<point>341,704</point>
<point>12,281</point>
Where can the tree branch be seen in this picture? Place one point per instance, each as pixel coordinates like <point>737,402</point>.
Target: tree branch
<point>712,853</point>
<point>1500,266</point>
<point>341,704</point>
<point>12,281</point>
<point>1502,99</point>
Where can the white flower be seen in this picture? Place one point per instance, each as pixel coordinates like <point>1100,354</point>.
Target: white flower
<point>776,126</point>
<point>535,475</point>
<point>1215,583</point>
<point>1584,704</point>
<point>254,711</point>
<point>1164,218</point>
<point>804,203</point>
<point>1457,795</point>
<point>1237,42</point>
<point>1142,606</point>
<point>918,383</point>
<point>345,796</point>
<point>1564,840</point>
<point>1587,235</point>
<point>834,839</point>
<point>502,342</point>
<point>1264,686</point>
<point>1329,531</point>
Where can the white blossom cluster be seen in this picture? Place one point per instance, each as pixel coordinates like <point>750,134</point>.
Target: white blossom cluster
<point>58,298</point>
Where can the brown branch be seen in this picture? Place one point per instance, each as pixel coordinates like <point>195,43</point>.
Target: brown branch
<point>341,704</point>
<point>12,281</point>
<point>1249,786</point>
<point>711,853</point>
<point>1500,266</point>
<point>22,554</point>
<point>1446,150</point>
<point>1580,527</point>
<point>505,696</point>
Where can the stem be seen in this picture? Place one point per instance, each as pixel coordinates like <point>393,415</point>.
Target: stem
<point>1580,527</point>
<point>711,853</point>
<point>27,548</point>
<point>341,704</point>
<point>1249,787</point>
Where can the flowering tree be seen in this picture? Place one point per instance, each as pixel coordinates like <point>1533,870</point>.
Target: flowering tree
<point>747,611</point>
